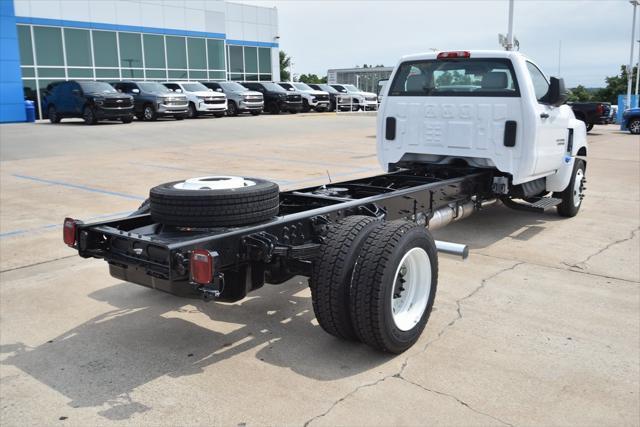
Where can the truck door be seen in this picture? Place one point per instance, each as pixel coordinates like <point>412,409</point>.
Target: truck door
<point>76,98</point>
<point>551,126</point>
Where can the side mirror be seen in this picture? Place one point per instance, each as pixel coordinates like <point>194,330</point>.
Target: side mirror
<point>136,91</point>
<point>76,92</point>
<point>557,93</point>
<point>218,90</point>
<point>178,90</point>
<point>209,90</point>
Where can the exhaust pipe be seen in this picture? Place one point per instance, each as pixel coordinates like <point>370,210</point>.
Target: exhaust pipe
<point>450,248</point>
<point>448,214</point>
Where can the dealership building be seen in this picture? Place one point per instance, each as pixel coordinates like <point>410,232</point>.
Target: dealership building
<point>43,41</point>
<point>365,78</point>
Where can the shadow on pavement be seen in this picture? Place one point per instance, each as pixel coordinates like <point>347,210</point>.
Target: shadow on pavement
<point>146,337</point>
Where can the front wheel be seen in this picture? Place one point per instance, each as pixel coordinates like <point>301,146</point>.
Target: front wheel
<point>192,113</point>
<point>149,113</point>
<point>305,106</point>
<point>394,285</point>
<point>127,120</point>
<point>53,115</point>
<point>634,127</point>
<point>232,109</point>
<point>589,126</point>
<point>574,193</point>
<point>89,116</point>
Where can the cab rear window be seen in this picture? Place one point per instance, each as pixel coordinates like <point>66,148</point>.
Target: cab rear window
<point>456,77</point>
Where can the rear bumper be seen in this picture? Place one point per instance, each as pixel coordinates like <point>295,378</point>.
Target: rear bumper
<point>139,276</point>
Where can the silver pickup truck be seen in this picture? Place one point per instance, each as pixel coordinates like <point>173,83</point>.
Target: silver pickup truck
<point>239,98</point>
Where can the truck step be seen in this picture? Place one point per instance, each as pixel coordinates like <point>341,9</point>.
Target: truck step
<point>538,206</point>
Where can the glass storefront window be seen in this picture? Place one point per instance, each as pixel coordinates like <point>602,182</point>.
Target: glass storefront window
<point>130,50</point>
<point>265,77</point>
<point>217,75</point>
<point>51,72</point>
<point>78,47</point>
<point>105,48</point>
<point>251,59</point>
<point>80,72</point>
<point>178,74</point>
<point>176,52</point>
<point>197,75</point>
<point>26,49</point>
<point>107,73</point>
<point>157,74</point>
<point>251,77</point>
<point>130,73</point>
<point>48,43</point>
<point>215,51</point>
<point>197,53</point>
<point>264,55</point>
<point>236,62</point>
<point>236,77</point>
<point>153,51</point>
<point>28,72</point>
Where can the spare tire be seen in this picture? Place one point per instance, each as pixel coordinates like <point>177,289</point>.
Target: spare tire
<point>214,201</point>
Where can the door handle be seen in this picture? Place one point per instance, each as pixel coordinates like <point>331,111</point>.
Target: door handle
<point>544,116</point>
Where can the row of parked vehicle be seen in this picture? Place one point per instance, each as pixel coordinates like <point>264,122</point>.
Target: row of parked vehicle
<point>147,100</point>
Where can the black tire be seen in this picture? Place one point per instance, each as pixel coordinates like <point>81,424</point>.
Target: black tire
<point>293,111</point>
<point>568,207</point>
<point>374,285</point>
<point>634,126</point>
<point>53,115</point>
<point>192,113</point>
<point>232,109</point>
<point>214,208</point>
<point>255,113</point>
<point>589,126</point>
<point>89,115</point>
<point>142,209</point>
<point>140,116</point>
<point>127,120</point>
<point>274,108</point>
<point>331,272</point>
<point>305,106</point>
<point>149,113</point>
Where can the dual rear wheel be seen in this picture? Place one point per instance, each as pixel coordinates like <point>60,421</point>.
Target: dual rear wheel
<point>375,282</point>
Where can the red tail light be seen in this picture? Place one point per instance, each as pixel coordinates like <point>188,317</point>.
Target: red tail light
<point>69,231</point>
<point>455,54</point>
<point>599,109</point>
<point>201,266</point>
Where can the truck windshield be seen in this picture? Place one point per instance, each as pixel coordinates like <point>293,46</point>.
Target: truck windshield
<point>153,87</point>
<point>272,87</point>
<point>302,86</point>
<point>96,87</point>
<point>327,88</point>
<point>233,86</point>
<point>455,77</point>
<point>195,87</point>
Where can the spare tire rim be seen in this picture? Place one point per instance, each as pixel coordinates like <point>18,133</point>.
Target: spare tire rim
<point>411,289</point>
<point>214,183</point>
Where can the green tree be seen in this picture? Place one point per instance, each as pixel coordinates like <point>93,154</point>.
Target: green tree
<point>616,85</point>
<point>285,62</point>
<point>579,94</point>
<point>312,78</point>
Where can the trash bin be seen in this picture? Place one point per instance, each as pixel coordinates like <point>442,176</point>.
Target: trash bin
<point>31,110</point>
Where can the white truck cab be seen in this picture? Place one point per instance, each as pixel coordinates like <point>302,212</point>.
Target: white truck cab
<point>202,100</point>
<point>488,109</point>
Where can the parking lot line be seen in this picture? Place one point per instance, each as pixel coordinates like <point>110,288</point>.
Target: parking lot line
<point>79,187</point>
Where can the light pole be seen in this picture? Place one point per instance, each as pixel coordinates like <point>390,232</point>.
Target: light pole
<point>637,75</point>
<point>510,33</point>
<point>635,4</point>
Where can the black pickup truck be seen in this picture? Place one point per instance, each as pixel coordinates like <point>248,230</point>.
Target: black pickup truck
<point>592,113</point>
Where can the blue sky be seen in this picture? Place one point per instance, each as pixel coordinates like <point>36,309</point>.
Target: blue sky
<point>595,34</point>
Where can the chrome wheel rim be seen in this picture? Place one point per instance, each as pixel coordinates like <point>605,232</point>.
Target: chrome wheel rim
<point>411,289</point>
<point>148,113</point>
<point>634,127</point>
<point>578,188</point>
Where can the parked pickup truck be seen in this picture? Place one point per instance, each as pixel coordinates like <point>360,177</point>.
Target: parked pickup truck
<point>239,98</point>
<point>631,120</point>
<point>592,113</point>
<point>152,100</point>
<point>276,99</point>
<point>202,100</point>
<point>456,132</point>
